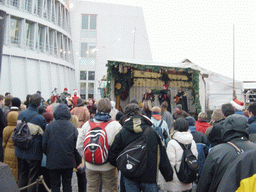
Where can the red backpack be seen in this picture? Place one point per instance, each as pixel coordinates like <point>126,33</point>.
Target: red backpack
<point>96,143</point>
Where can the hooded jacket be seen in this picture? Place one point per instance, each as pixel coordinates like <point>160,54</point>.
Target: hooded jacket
<point>220,156</point>
<point>202,125</point>
<point>156,158</point>
<point>59,141</point>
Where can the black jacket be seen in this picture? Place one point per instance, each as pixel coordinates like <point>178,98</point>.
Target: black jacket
<point>59,141</point>
<point>220,156</point>
<point>132,129</point>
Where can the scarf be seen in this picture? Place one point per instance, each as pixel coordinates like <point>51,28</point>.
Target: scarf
<point>99,116</point>
<point>157,117</point>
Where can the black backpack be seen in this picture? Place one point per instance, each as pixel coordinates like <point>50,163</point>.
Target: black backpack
<point>189,166</point>
<point>132,160</point>
<point>21,135</point>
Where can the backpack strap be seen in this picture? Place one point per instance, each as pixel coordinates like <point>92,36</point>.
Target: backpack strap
<point>238,150</point>
<point>102,125</point>
<point>188,146</point>
<point>160,123</point>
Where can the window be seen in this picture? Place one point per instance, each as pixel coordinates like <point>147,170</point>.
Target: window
<point>91,75</point>
<point>83,90</point>
<point>14,30</point>
<point>89,22</point>
<point>83,75</point>
<point>29,42</point>
<point>90,90</point>
<point>88,50</point>
<point>28,5</point>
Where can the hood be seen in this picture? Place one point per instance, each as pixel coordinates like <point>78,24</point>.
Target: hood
<point>137,123</point>
<point>62,112</point>
<point>252,119</point>
<point>234,126</point>
<point>183,137</point>
<point>12,118</point>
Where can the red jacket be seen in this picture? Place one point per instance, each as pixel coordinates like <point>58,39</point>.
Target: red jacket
<point>201,125</point>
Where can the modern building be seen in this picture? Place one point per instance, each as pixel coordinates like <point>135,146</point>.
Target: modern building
<point>100,32</point>
<point>37,49</point>
<point>56,44</point>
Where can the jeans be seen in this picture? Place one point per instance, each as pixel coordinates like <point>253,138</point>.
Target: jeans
<point>28,172</point>
<point>133,186</point>
<point>61,174</point>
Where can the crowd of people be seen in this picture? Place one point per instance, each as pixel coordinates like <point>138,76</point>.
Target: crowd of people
<point>71,134</point>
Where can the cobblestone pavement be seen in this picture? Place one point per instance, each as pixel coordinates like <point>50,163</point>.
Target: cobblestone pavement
<point>74,183</point>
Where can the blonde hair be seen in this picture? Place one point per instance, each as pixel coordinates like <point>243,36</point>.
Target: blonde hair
<point>74,120</point>
<point>202,116</point>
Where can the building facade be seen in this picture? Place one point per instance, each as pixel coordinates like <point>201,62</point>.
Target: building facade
<point>37,50</point>
<point>100,32</point>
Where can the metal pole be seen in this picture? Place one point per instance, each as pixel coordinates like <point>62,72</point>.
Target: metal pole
<point>234,92</point>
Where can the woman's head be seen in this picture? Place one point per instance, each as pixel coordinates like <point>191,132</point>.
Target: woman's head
<point>181,125</point>
<point>132,109</point>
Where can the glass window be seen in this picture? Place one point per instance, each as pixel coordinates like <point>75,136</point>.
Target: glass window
<point>90,90</point>
<point>83,49</point>
<point>83,90</point>
<point>92,21</point>
<point>84,21</point>
<point>91,75</point>
<point>28,34</point>
<point>83,75</point>
<point>92,50</point>
<point>40,37</point>
<point>14,30</point>
<point>28,5</point>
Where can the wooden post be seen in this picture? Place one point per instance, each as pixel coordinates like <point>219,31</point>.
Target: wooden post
<point>118,102</point>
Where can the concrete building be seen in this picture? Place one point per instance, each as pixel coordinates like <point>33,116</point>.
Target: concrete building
<point>56,44</point>
<point>37,50</point>
<point>103,31</point>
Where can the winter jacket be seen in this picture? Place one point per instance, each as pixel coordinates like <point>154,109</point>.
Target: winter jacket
<point>198,136</point>
<point>202,126</point>
<point>9,150</point>
<point>36,126</point>
<point>167,116</point>
<point>183,114</point>
<point>156,120</point>
<point>220,156</point>
<point>156,155</point>
<point>240,174</point>
<point>111,129</point>
<point>82,113</point>
<point>252,125</point>
<point>59,141</point>
<point>214,136</point>
<point>175,152</point>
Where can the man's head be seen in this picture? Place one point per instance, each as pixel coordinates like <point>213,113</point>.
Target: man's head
<point>39,93</point>
<point>132,109</point>
<point>156,110</point>
<point>178,108</point>
<point>1,100</point>
<point>104,105</point>
<point>164,105</point>
<point>216,115</point>
<point>252,110</point>
<point>227,109</point>
<point>165,86</point>
<point>191,120</point>
<point>35,100</point>
<point>65,90</point>
<point>7,93</point>
<point>8,100</point>
<point>16,102</point>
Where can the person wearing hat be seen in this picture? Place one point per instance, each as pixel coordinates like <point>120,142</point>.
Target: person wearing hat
<point>238,106</point>
<point>75,96</point>
<point>216,117</point>
<point>179,113</point>
<point>165,95</point>
<point>81,112</point>
<point>63,96</point>
<point>181,98</point>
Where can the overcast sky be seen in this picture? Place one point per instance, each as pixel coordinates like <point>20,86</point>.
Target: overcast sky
<point>202,31</point>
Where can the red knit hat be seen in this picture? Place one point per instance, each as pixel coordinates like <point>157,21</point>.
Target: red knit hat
<point>165,85</point>
<point>65,89</point>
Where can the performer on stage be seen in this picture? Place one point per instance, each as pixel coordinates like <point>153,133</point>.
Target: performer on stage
<point>148,99</point>
<point>165,95</point>
<point>181,98</point>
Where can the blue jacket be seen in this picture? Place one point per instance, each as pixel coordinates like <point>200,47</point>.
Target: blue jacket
<point>59,141</point>
<point>252,125</point>
<point>36,126</point>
